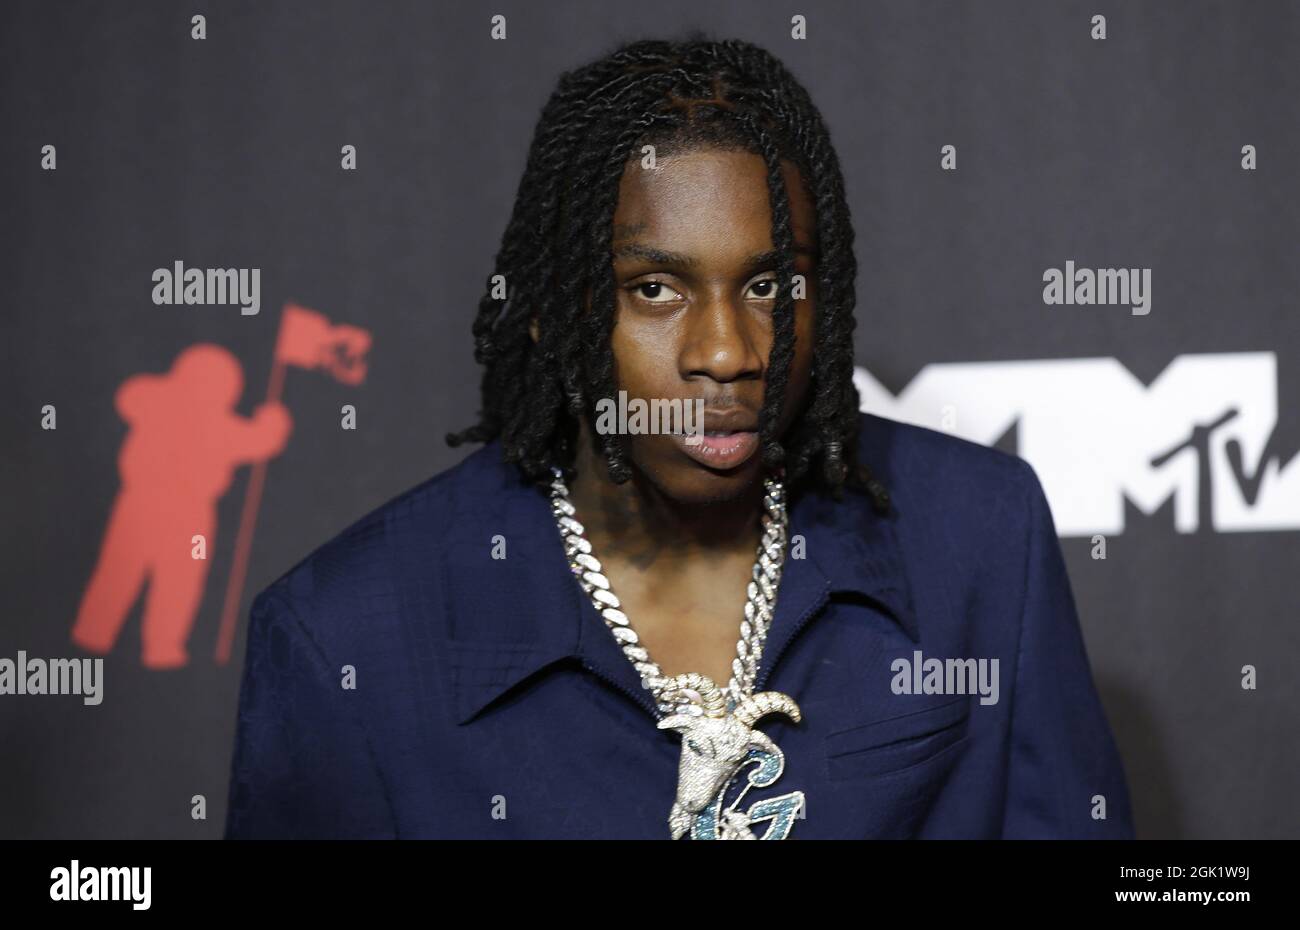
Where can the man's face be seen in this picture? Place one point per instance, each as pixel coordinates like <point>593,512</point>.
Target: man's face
<point>695,290</point>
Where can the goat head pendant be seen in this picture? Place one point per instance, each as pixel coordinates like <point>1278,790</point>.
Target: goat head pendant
<point>716,744</point>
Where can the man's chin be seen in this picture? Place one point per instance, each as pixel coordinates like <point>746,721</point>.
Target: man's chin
<point>688,482</point>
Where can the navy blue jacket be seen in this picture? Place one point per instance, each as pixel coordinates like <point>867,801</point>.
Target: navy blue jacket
<point>402,682</point>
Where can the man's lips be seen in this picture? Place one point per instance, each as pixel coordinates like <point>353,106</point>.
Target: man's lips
<point>720,448</point>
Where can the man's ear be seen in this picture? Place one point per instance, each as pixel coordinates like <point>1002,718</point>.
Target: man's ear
<point>533,330</point>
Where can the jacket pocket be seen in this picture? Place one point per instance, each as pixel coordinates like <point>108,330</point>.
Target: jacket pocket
<point>895,743</point>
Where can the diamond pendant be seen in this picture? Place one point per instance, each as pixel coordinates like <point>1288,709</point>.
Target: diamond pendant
<point>717,743</point>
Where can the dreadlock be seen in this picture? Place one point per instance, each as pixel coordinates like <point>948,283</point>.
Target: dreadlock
<point>676,96</point>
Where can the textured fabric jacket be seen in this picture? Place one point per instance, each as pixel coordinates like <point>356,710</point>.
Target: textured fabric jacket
<point>402,682</point>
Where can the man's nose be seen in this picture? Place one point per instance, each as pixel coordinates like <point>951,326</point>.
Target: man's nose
<point>721,341</point>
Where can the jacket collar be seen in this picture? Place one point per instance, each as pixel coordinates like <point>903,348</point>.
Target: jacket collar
<point>526,613</point>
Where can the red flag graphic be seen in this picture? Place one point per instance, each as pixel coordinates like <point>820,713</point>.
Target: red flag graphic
<point>308,340</point>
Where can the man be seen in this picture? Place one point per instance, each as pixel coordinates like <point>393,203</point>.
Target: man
<point>579,632</point>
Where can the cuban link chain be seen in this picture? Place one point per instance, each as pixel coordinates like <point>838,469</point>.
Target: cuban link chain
<point>717,725</point>
<point>759,603</point>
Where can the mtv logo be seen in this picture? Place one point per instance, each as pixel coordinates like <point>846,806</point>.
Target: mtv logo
<point>1202,434</point>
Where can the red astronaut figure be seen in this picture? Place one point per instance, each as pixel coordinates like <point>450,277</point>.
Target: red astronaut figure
<point>184,444</point>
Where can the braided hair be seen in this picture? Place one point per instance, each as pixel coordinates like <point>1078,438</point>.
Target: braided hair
<point>675,96</point>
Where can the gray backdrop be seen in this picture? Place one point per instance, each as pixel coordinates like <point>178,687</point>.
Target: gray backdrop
<point>225,153</point>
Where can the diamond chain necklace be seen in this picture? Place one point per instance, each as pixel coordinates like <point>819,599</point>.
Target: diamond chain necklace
<point>716,724</point>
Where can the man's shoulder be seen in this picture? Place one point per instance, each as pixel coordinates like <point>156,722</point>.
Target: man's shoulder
<point>929,470</point>
<point>407,530</point>
<point>907,452</point>
<point>969,520</point>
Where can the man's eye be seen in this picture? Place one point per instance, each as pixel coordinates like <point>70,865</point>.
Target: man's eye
<point>656,292</point>
<point>763,290</point>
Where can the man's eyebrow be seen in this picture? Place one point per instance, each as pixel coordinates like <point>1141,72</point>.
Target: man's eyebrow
<point>656,256</point>
<point>773,256</point>
<point>662,257</point>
